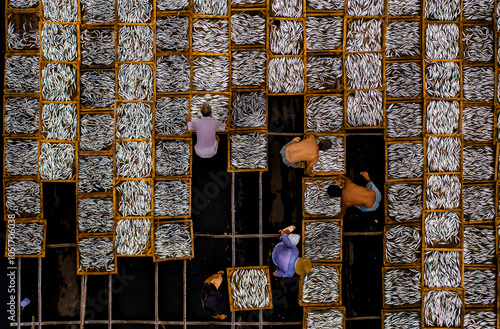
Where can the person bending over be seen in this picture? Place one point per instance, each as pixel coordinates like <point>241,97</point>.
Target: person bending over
<point>210,295</point>
<point>286,255</point>
<point>307,150</point>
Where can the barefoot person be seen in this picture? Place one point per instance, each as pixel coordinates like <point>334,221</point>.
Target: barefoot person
<point>286,255</point>
<point>206,128</point>
<point>210,295</point>
<point>297,151</point>
<point>365,199</point>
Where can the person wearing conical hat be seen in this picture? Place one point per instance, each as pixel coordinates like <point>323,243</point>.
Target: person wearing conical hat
<point>286,255</point>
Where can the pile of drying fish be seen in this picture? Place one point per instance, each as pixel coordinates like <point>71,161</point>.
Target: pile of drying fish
<point>479,84</point>
<point>135,43</point>
<point>286,38</point>
<point>403,79</point>
<point>364,71</point>
<point>211,7</point>
<point>211,73</point>
<point>443,154</point>
<point>326,4</point>
<point>404,120</point>
<point>211,35</point>
<point>134,198</point>
<point>22,198</point>
<point>318,202</point>
<point>133,236</point>
<point>442,308</point>
<point>23,3</point>
<point>135,82</point>
<point>442,117</point>
<point>479,245</point>
<point>441,41</point>
<point>96,132</point>
<point>365,7</point>
<point>402,320</point>
<point>364,35</point>
<point>59,42</point>
<point>439,10</point>
<point>96,255</point>
<point>477,123</point>
<point>404,201</point>
<point>27,38</point>
<point>172,158</point>
<point>324,114</point>
<point>364,108</point>
<point>479,203</point>
<point>173,240</point>
<point>98,11</point>
<point>248,68</point>
<point>21,115</point>
<point>22,74</point>
<point>478,43</point>
<point>247,29</point>
<point>219,104</point>
<point>97,89</point>
<point>95,215</point>
<point>98,47</point>
<point>402,244</point>
<point>173,74</point>
<point>442,269</point>
<point>331,160</point>
<point>479,163</point>
<point>60,10</point>
<point>58,82</point>
<point>479,287</point>
<point>59,121</point>
<point>172,5</point>
<point>478,10</point>
<point>249,151</point>
<point>319,319</point>
<point>287,8</point>
<point>405,160</point>
<point>28,238</point>
<point>134,11</point>
<point>480,319</point>
<point>321,285</point>
<point>285,75</point>
<point>170,113</point>
<point>322,240</point>
<point>249,288</point>
<point>324,72</point>
<point>21,157</point>
<point>172,198</point>
<point>442,228</point>
<point>95,174</point>
<point>248,110</point>
<point>402,287</point>
<point>323,33</point>
<point>172,33</point>
<point>443,192</point>
<point>134,121</point>
<point>134,159</point>
<point>403,39</point>
<point>442,79</point>
<point>404,8</point>
<point>57,161</point>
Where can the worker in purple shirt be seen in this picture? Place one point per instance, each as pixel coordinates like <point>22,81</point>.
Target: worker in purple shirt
<point>286,255</point>
<point>206,128</point>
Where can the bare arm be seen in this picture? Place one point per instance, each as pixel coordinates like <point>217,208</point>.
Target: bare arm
<point>229,120</point>
<point>310,166</point>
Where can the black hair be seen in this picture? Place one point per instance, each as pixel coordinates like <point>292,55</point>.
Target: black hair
<point>334,191</point>
<point>206,110</point>
<point>325,144</point>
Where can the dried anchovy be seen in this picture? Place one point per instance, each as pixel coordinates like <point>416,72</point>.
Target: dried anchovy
<point>172,158</point>
<point>97,89</point>
<point>23,3</point>
<point>173,240</point>
<point>402,320</point>
<point>172,198</point>
<point>479,163</point>
<point>285,75</point>
<point>57,161</point>
<point>248,68</point>
<point>134,198</point>
<point>173,74</point>
<point>59,42</point>
<point>95,215</point>
<point>442,308</point>
<point>287,8</point>
<point>442,228</point>
<point>318,319</point>
<point>322,240</point>
<point>211,36</point>
<point>405,160</point>
<point>58,82</point>
<point>403,8</point>
<point>249,151</point>
<point>402,244</point>
<point>134,11</point>
<point>403,79</point>
<point>60,10</point>
<point>478,43</point>
<point>479,84</point>
<point>247,29</point>
<point>443,192</point>
<point>364,108</point>
<point>135,82</point>
<point>323,33</point>
<point>324,72</point>
<point>365,7</point>
<point>170,113</point>
<point>404,120</point>
<point>442,269</point>
<point>364,71</point>
<point>324,114</point>
<point>28,238</point>
<point>402,287</point>
<point>172,33</point>
<point>23,199</point>
<point>441,41</point>
<point>477,123</point>
<point>321,285</point>
<point>95,174</point>
<point>478,10</point>
<point>479,245</point>
<point>219,104</point>
<point>402,39</point>
<point>133,236</point>
<point>246,2</point>
<point>59,121</point>
<point>326,4</point>
<point>134,121</point>
<point>22,74</point>
<point>249,288</point>
<point>479,203</point>
<point>443,154</point>
<point>135,43</point>
<point>479,287</point>
<point>21,157</point>
<point>211,7</point>
<point>480,319</point>
<point>442,10</point>
<point>21,115</point>
<point>248,110</point>
<point>134,159</point>
<point>96,254</point>
<point>172,5</point>
<point>318,202</point>
<point>98,11</point>
<point>286,37</point>
<point>364,35</point>
<point>442,79</point>
<point>211,73</point>
<point>98,47</point>
<point>442,117</point>
<point>404,201</point>
<point>331,160</point>
<point>27,38</point>
<point>96,132</point>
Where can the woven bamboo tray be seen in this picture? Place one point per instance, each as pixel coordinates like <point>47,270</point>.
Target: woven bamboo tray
<point>230,271</point>
<point>156,258</point>
<point>40,254</point>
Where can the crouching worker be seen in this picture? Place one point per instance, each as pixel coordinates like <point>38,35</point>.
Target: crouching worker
<point>210,295</point>
<point>307,150</point>
<point>286,255</point>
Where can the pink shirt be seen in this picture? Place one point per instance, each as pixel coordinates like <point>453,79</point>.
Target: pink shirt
<point>206,129</point>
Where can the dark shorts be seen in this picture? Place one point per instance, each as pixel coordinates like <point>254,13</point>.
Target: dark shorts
<point>285,160</point>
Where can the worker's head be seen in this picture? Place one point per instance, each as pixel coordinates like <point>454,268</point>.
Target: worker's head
<point>206,110</point>
<point>303,266</point>
<point>334,191</point>
<point>294,238</point>
<point>324,144</point>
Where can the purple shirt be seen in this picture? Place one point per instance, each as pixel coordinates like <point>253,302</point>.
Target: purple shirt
<point>285,255</point>
<point>206,129</point>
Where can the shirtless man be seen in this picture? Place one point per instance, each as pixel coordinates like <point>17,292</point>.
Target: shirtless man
<point>365,199</point>
<point>296,151</point>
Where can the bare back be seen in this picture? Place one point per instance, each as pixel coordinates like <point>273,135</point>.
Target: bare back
<point>306,150</point>
<point>355,195</point>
